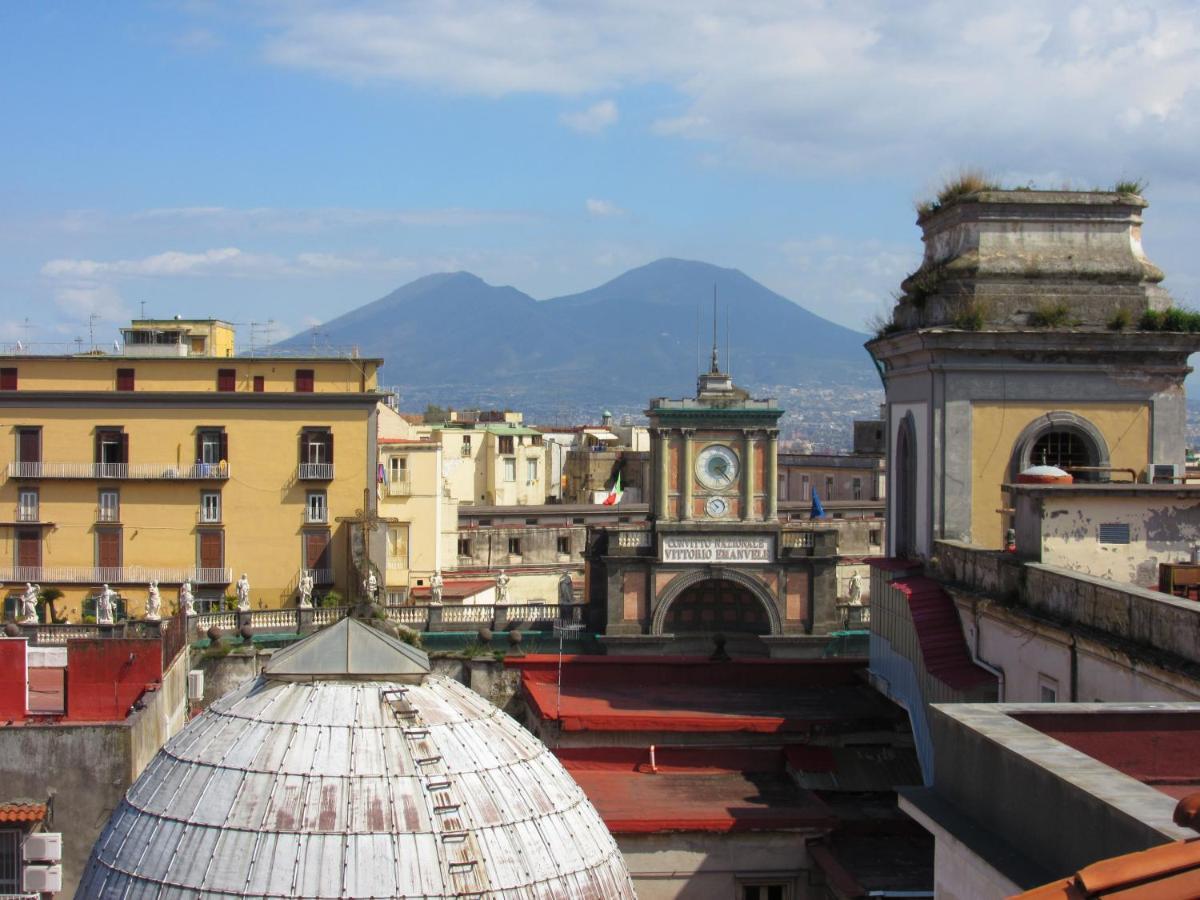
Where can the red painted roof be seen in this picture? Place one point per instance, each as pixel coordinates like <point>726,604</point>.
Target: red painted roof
<point>456,589</point>
<point>940,635</point>
<point>730,789</point>
<point>22,812</point>
<point>1169,872</point>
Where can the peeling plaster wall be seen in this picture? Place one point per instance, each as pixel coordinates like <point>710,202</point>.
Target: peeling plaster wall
<point>1160,530</point>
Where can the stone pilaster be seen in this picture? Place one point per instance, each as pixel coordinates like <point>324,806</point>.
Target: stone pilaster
<point>685,473</point>
<point>772,476</point>
<point>748,475</point>
<point>664,474</point>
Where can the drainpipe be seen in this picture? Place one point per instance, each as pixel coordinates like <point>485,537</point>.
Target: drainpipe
<point>975,657</point>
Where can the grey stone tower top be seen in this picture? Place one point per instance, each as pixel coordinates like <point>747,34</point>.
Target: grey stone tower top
<point>996,258</point>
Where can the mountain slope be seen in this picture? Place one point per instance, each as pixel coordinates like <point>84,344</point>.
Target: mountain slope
<point>454,339</point>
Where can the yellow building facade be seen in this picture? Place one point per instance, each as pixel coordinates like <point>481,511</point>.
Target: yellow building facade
<point>128,468</point>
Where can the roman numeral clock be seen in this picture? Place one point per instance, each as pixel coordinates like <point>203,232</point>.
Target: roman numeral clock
<point>717,470</point>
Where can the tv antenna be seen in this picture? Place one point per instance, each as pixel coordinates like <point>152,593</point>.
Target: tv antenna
<point>143,305</point>
<point>92,320</point>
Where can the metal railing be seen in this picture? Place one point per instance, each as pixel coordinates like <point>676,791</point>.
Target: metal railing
<point>129,471</point>
<point>315,472</point>
<point>399,487</point>
<point>107,514</point>
<point>114,575</point>
<point>27,513</point>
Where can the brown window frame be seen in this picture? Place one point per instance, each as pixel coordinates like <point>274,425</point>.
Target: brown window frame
<point>126,379</point>
<point>306,380</point>
<point>226,380</point>
<point>260,384</point>
<point>8,378</point>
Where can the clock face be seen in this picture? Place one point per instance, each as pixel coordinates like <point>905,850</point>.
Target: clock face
<point>716,507</point>
<point>717,467</point>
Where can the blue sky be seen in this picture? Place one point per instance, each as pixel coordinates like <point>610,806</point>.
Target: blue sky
<point>287,162</point>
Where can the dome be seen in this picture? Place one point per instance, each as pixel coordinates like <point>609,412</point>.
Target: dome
<point>348,770</point>
<point>1044,474</point>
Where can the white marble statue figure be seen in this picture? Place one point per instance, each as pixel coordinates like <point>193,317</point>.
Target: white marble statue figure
<point>502,581</point>
<point>566,589</point>
<point>436,584</point>
<point>856,589</point>
<point>29,600</point>
<point>186,599</point>
<point>371,584</point>
<point>243,593</point>
<point>105,605</point>
<point>153,603</point>
<point>306,589</point>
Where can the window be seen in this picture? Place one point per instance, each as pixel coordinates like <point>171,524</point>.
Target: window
<point>506,443</point>
<point>27,505</point>
<point>514,546</point>
<point>875,537</point>
<point>317,510</point>
<point>1047,689</point>
<point>532,521</point>
<point>28,551</point>
<point>8,379</point>
<point>464,546</point>
<point>828,487</point>
<point>226,379</point>
<point>856,487</point>
<point>304,381</point>
<point>466,445</point>
<point>805,488</point>
<point>397,546</point>
<point>210,507</point>
<point>765,890</point>
<point>316,554</point>
<point>110,507</point>
<point>212,446</point>
<point>29,445</point>
<point>210,549</point>
<point>510,469</point>
<point>316,446</point>
<point>398,468</point>
<point>111,451</point>
<point>531,470</point>
<point>260,384</point>
<point>564,545</point>
<point>108,553</point>
<point>124,379</point>
<point>10,861</point>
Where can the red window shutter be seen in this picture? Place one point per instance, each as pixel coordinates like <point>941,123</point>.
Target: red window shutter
<point>29,548</point>
<point>329,446</point>
<point>226,379</point>
<point>124,448</point>
<point>30,448</point>
<point>223,449</point>
<point>199,447</point>
<point>212,549</point>
<point>8,379</point>
<point>108,548</point>
<point>124,379</point>
<point>260,384</point>
<point>316,549</point>
<point>304,381</point>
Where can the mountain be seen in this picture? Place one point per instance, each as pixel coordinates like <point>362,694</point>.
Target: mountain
<point>453,339</point>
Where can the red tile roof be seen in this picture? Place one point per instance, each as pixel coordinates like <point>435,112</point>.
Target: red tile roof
<point>22,812</point>
<point>1169,872</point>
<point>940,635</point>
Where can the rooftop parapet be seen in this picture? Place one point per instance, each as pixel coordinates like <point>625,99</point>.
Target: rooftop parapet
<point>1030,258</point>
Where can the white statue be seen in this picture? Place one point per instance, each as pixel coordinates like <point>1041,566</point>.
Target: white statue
<point>29,600</point>
<point>243,593</point>
<point>566,589</point>
<point>372,584</point>
<point>306,589</point>
<point>502,581</point>
<point>153,603</point>
<point>105,606</point>
<point>856,589</point>
<point>186,600</point>
<point>435,588</point>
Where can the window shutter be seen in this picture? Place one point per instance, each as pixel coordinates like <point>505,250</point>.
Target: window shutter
<point>124,448</point>
<point>223,451</point>
<point>199,447</point>
<point>303,448</point>
<point>329,446</point>
<point>98,438</point>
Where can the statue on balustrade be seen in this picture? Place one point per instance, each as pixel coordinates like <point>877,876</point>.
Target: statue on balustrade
<point>153,603</point>
<point>856,589</point>
<point>186,600</point>
<point>566,589</point>
<point>436,585</point>
<point>502,581</point>
<point>306,589</point>
<point>243,593</point>
<point>29,614</point>
<point>105,605</point>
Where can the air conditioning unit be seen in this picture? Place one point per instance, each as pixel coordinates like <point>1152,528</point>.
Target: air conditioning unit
<point>196,685</point>
<point>42,879</point>
<point>45,846</point>
<point>1164,473</point>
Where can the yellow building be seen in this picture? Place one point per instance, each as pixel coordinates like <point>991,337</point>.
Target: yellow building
<point>415,504</point>
<point>492,463</point>
<point>154,464</point>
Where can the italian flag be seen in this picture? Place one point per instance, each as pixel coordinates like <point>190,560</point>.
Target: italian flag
<point>614,494</point>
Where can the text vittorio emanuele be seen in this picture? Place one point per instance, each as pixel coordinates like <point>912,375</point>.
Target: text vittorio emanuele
<point>713,548</point>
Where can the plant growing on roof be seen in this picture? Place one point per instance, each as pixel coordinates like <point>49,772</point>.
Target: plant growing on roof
<point>966,182</point>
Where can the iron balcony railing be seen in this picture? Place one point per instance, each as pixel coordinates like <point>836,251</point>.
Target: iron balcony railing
<point>130,471</point>
<point>107,514</point>
<point>27,512</point>
<point>399,487</point>
<point>114,574</point>
<point>315,472</point>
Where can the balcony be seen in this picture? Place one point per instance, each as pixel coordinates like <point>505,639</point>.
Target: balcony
<point>316,516</point>
<point>108,514</point>
<point>28,513</point>
<point>114,575</point>
<point>119,471</point>
<point>315,472</point>
<point>399,487</point>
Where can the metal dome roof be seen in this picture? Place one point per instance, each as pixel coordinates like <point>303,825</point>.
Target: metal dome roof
<point>343,785</point>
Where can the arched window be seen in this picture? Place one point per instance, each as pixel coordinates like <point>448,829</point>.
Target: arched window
<point>905,516</point>
<point>1062,439</point>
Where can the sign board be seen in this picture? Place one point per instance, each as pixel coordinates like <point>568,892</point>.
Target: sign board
<point>718,548</point>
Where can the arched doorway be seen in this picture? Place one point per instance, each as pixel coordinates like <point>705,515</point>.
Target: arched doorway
<point>716,604</point>
<point>904,524</point>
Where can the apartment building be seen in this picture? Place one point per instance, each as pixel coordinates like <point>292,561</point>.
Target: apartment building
<point>173,459</point>
<point>492,463</point>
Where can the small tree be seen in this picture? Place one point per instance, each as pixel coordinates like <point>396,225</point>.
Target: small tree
<point>46,599</point>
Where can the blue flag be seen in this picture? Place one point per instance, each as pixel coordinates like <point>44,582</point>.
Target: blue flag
<point>818,511</point>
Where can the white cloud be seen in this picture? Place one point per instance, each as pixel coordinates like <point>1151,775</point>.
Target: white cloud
<point>827,86</point>
<point>603,208</point>
<point>592,120</point>
<point>81,300</point>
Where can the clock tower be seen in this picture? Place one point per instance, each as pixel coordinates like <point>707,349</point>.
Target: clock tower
<point>714,557</point>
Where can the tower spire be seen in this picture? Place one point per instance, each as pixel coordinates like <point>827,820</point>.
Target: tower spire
<point>716,368</point>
